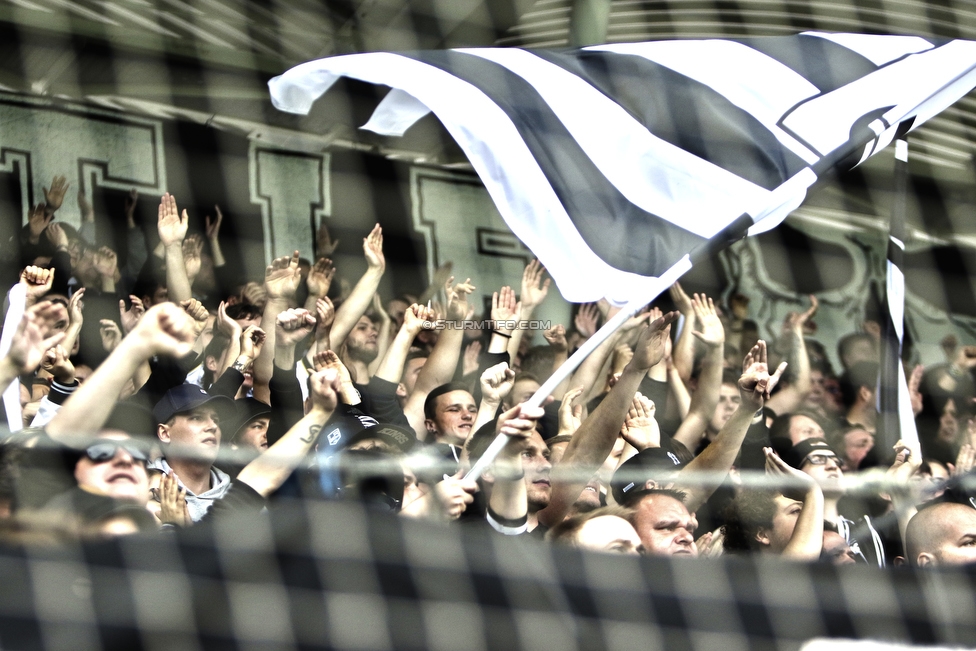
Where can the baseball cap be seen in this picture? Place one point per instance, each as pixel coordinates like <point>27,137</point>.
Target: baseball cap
<point>186,397</point>
<point>397,437</point>
<point>248,409</point>
<point>795,455</point>
<point>652,463</point>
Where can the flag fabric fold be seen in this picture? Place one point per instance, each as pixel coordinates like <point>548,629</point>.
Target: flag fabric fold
<point>614,163</point>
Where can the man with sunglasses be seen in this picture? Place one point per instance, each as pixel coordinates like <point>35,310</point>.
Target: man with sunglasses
<point>817,459</point>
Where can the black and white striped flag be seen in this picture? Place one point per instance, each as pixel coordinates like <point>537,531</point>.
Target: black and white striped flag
<point>618,164</point>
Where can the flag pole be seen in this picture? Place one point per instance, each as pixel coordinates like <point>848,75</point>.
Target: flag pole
<point>896,420</point>
<point>653,290</point>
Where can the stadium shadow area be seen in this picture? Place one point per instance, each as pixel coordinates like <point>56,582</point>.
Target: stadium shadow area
<point>332,575</point>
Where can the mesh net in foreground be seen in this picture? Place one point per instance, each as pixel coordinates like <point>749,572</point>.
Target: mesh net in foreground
<point>331,575</point>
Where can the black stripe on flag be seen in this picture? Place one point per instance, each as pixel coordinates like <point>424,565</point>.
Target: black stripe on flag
<point>825,64</point>
<point>624,235</point>
<point>685,113</point>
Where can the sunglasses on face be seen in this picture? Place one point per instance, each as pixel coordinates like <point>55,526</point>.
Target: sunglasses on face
<point>821,459</point>
<point>106,451</point>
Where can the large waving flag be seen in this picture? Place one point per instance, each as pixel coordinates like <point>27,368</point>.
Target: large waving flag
<point>618,164</point>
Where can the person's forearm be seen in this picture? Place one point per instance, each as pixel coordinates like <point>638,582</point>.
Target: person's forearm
<point>717,458</point>
<point>440,366</point>
<point>71,336</point>
<point>216,252</point>
<point>789,397</point>
<point>391,366</point>
<point>269,471</point>
<point>89,407</point>
<point>679,392</point>
<point>683,354</point>
<point>177,281</point>
<point>515,342</point>
<point>589,369</point>
<point>8,373</point>
<point>486,412</point>
<point>704,400</point>
<point>284,357</point>
<point>263,366</point>
<point>355,305</point>
<point>807,539</point>
<point>108,284</point>
<point>508,494</point>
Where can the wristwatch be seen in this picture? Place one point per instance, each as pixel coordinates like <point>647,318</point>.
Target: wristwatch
<point>241,365</point>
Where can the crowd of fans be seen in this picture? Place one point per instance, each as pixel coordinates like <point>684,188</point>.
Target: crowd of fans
<point>162,393</point>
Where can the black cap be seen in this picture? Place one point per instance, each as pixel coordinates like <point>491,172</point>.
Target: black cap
<point>187,397</point>
<point>653,463</point>
<point>397,437</point>
<point>248,409</point>
<point>795,455</point>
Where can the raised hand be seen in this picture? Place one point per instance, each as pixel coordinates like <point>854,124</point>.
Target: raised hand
<point>292,326</point>
<point>325,314</point>
<point>503,305</point>
<point>416,318</point>
<point>106,262</point>
<point>192,256</point>
<point>282,277</point>
<point>252,340</point>
<point>497,383</point>
<point>37,282</point>
<point>56,235</point>
<point>457,298</point>
<point>324,244</point>
<point>37,221</point>
<point>54,196</point>
<point>131,316</point>
<point>131,201</point>
<point>681,300</point>
<point>254,294</point>
<point>56,363</point>
<point>76,308</point>
<point>712,334</point>
<point>586,319</point>
<point>213,227</point>
<point>534,289</point>
<point>87,212</point>
<point>373,248</point>
<point>556,338</point>
<point>226,325</point>
<point>320,277</point>
<point>471,354</point>
<point>640,428</point>
<point>755,383</point>
<point>171,224</point>
<point>110,334</point>
<point>35,335</point>
<point>325,386</point>
<point>198,313</point>
<point>650,346</point>
<point>570,416</point>
<point>795,482</point>
<point>164,329</point>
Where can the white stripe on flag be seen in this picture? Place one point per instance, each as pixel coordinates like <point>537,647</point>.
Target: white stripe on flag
<point>896,298</point>
<point>904,85</point>
<point>651,173</point>
<point>751,80</point>
<point>876,48</point>
<point>395,114</point>
<point>513,178</point>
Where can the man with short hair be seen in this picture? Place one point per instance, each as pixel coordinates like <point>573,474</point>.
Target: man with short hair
<point>189,427</point>
<point>942,534</point>
<point>604,530</point>
<point>663,522</point>
<point>361,348</point>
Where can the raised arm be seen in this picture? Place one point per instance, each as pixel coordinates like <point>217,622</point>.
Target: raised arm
<point>443,359</point>
<point>807,539</point>
<point>509,498</point>
<point>414,318</point>
<point>596,436</point>
<point>213,237</point>
<point>362,294</point>
<point>792,395</point>
<point>269,471</point>
<point>172,228</point>
<point>35,335</point>
<point>281,280</point>
<point>496,383</point>
<point>706,396</point>
<point>535,287</point>
<point>717,459</point>
<point>684,349</point>
<point>163,330</point>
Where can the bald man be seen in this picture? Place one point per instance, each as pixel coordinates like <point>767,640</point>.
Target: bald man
<point>942,534</point>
